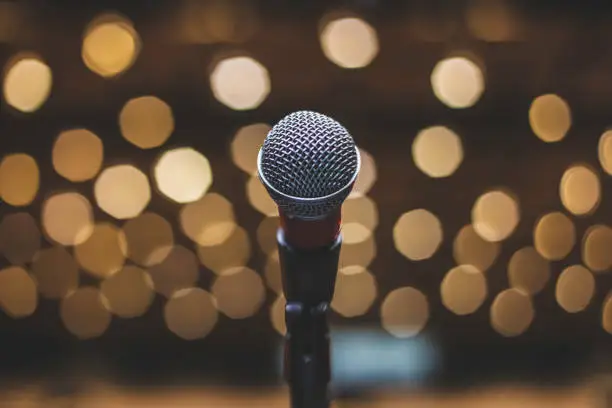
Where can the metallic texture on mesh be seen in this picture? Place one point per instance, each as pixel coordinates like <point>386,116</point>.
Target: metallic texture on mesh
<point>308,163</point>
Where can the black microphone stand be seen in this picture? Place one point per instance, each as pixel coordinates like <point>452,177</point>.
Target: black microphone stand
<point>309,279</point>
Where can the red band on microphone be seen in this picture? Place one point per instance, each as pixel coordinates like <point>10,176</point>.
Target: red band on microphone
<point>309,234</point>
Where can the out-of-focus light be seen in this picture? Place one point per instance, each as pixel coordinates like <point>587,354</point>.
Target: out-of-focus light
<point>122,191</point>
<point>349,42</point>
<point>495,215</point>
<point>149,239</point>
<point>457,82</point>
<point>18,296</point>
<point>129,292</point>
<point>596,245</point>
<point>183,175</point>
<point>103,253</point>
<point>239,293</point>
<point>575,288</point>
<point>437,151</point>
<point>19,179</point>
<point>27,84</point>
<point>209,221</point>
<point>191,313</point>
<point>463,289</point>
<point>580,190</point>
<point>56,273</point>
<point>259,198</point>
<point>367,174</point>
<point>355,292</point>
<point>512,312</point>
<point>266,234</point>
<point>178,271</point>
<point>240,83</point>
<point>246,144</point>
<point>84,314</point>
<point>277,315</point>
<point>491,20</point>
<point>359,219</point>
<point>77,155</point>
<point>554,236</point>
<point>550,117</point>
<point>604,151</point>
<point>470,249</point>
<point>67,218</point>
<point>19,238</point>
<point>273,273</point>
<point>528,271</point>
<point>417,234</point>
<point>361,253</point>
<point>404,312</point>
<point>606,313</point>
<point>110,45</point>
<point>232,253</point>
<point>146,122</point>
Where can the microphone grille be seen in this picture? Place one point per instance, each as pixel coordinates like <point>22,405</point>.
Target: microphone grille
<point>308,156</point>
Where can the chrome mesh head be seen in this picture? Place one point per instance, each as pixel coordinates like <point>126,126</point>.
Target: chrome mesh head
<point>308,163</point>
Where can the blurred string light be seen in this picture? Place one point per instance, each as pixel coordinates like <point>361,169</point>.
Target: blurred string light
<point>358,254</point>
<point>355,292</point>
<point>191,313</point>
<point>183,175</point>
<point>240,292</point>
<point>104,252</point>
<point>146,122</point>
<point>604,151</point>
<point>359,219</point>
<point>110,45</point>
<point>277,315</point>
<point>259,197</point>
<point>18,295</point>
<point>122,191</point>
<point>550,117</point>
<point>367,174</point>
<point>512,312</point>
<point>495,215</point>
<point>580,190</point>
<point>404,312</point>
<point>554,236</point>
<point>20,238</point>
<point>178,271</point>
<point>209,221</point>
<point>266,234</point>
<point>19,179</point>
<point>349,42</point>
<point>596,245</point>
<point>240,83</point>
<point>223,258</point>
<point>606,313</point>
<point>417,234</point>
<point>273,274</point>
<point>77,155</point>
<point>149,239</point>
<point>528,271</point>
<point>491,20</point>
<point>457,82</point>
<point>27,83</point>
<point>129,292</point>
<point>437,151</point>
<point>463,289</point>
<point>67,218</point>
<point>469,248</point>
<point>56,272</point>
<point>575,288</point>
<point>84,314</point>
<point>246,144</point>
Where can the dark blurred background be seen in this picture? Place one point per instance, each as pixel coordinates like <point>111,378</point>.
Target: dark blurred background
<point>138,251</point>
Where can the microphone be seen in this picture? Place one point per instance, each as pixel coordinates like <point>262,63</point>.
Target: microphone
<point>308,163</point>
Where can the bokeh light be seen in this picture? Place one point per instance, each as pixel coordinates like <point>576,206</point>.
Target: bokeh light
<point>596,245</point>
<point>437,151</point>
<point>491,20</point>
<point>277,315</point>
<point>470,249</point>
<point>149,239</point>
<point>463,289</point>
<point>367,176</point>
<point>361,253</point>
<point>67,218</point>
<point>110,45</point>
<point>56,272</point>
<point>266,234</point>
<point>179,270</point>
<point>19,179</point>
<point>604,151</point>
<point>359,219</point>
<point>404,312</point>
<point>528,270</point>
<point>273,274</point>
<point>27,83</point>
<point>554,236</point>
<point>84,314</point>
<point>575,288</point>
<point>77,155</point>
<point>246,144</point>
<point>240,292</point>
<point>191,313</point>
<point>122,191</point>
<point>580,190</point>
<point>146,122</point>
<point>349,42</point>
<point>129,292</point>
<point>417,234</point>
<point>20,238</point>
<point>550,117</point>
<point>234,252</point>
<point>259,197</point>
<point>183,175</point>
<point>606,313</point>
<point>495,215</point>
<point>457,82</point>
<point>104,252</point>
<point>241,83</point>
<point>512,312</point>
<point>18,295</point>
<point>209,221</point>
<point>355,291</point>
